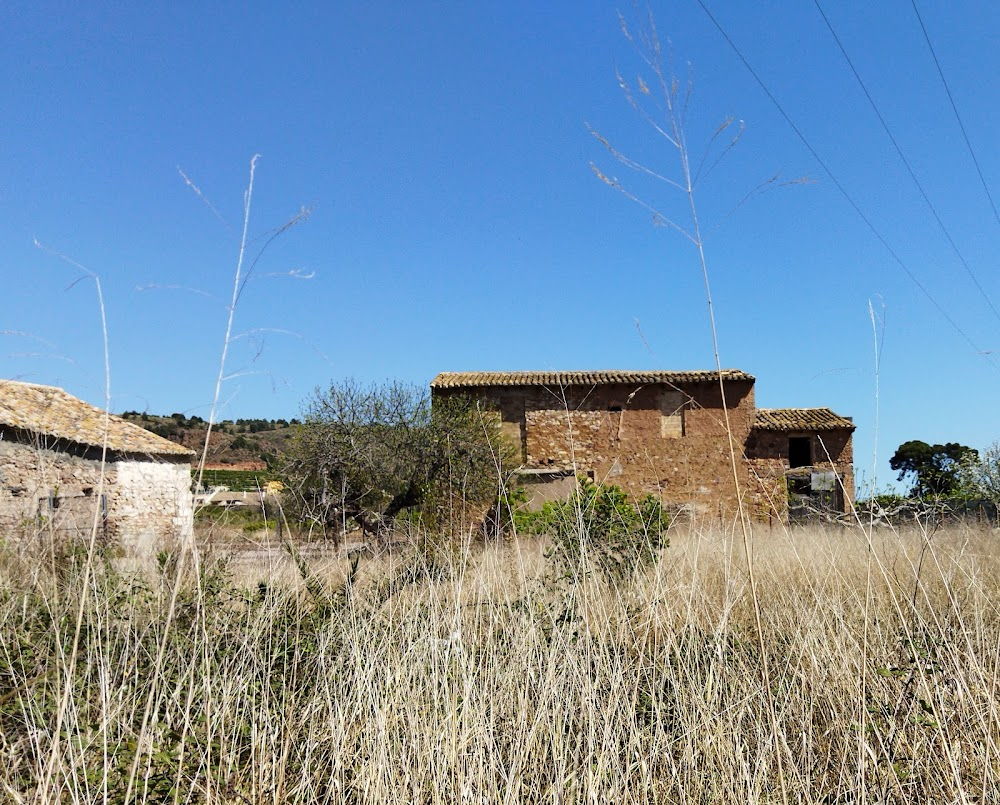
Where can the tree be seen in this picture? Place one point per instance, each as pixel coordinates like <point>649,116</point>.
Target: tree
<point>979,474</point>
<point>369,453</point>
<point>934,469</point>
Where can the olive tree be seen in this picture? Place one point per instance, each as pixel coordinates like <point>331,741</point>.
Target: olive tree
<point>365,454</point>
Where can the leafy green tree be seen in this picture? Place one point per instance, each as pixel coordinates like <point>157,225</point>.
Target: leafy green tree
<point>933,469</point>
<point>368,454</point>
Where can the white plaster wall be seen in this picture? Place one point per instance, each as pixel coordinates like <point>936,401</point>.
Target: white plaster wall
<point>152,502</point>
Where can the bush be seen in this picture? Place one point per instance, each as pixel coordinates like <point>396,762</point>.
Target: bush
<point>243,443</point>
<point>601,524</point>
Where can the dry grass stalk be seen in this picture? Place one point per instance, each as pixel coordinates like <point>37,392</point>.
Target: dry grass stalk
<point>490,680</point>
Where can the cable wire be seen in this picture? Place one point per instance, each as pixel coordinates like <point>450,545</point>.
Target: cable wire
<point>906,162</point>
<point>843,191</point>
<point>954,109</point>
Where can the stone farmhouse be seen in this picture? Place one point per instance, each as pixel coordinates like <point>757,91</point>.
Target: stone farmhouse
<point>51,448</point>
<point>665,433</point>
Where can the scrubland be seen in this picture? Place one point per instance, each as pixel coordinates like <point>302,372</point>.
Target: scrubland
<point>493,674</point>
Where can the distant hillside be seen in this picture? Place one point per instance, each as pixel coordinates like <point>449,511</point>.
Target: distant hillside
<point>248,444</point>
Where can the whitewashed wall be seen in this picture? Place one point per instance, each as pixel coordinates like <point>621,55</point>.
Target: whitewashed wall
<point>151,502</point>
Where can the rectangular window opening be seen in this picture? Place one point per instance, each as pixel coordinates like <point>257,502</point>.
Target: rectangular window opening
<point>799,451</point>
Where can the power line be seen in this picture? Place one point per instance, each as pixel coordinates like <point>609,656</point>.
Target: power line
<point>850,199</point>
<point>906,162</point>
<point>954,109</point>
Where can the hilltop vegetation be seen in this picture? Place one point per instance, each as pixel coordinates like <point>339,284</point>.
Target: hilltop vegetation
<point>243,443</point>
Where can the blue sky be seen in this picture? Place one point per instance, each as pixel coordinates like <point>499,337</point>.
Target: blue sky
<point>455,222</point>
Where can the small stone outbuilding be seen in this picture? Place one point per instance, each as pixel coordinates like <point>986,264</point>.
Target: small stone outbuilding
<point>665,433</point>
<point>53,447</point>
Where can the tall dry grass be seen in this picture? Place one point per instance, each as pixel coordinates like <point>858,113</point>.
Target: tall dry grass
<point>485,675</point>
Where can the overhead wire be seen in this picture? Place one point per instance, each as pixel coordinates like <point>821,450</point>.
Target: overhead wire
<point>954,108</point>
<point>906,163</point>
<point>847,196</point>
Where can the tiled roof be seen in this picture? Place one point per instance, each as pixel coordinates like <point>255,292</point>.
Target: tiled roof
<point>801,419</point>
<point>50,411</point>
<point>450,380</point>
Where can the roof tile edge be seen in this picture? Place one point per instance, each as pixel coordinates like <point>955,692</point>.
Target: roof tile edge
<point>583,378</point>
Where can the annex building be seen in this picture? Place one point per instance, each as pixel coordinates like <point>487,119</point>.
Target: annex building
<point>53,447</point>
<point>665,433</point>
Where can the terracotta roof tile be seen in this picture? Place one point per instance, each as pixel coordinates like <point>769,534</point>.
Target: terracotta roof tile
<point>801,419</point>
<point>450,380</point>
<point>50,411</point>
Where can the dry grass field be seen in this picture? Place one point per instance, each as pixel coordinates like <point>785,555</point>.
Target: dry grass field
<point>487,674</point>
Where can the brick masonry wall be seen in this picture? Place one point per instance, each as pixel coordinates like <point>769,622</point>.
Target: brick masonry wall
<point>147,501</point>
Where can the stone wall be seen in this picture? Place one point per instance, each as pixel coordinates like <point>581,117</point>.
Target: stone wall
<point>668,441</point>
<point>144,501</point>
<point>30,476</point>
<point>766,493</point>
<point>767,454</point>
<point>152,502</point>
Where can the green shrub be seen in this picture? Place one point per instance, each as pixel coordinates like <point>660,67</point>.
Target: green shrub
<point>600,525</point>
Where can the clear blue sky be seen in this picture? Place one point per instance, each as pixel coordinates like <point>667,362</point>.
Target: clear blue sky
<point>456,224</point>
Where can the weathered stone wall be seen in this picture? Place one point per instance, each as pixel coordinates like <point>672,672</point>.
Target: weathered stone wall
<point>152,502</point>
<point>543,487</point>
<point>30,475</point>
<point>767,452</point>
<point>667,441</point>
<point>767,493</point>
<point>146,501</point>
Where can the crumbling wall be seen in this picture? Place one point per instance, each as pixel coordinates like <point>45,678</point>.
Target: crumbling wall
<point>32,476</point>
<point>767,491</point>
<point>60,491</point>
<point>670,441</point>
<point>831,450</point>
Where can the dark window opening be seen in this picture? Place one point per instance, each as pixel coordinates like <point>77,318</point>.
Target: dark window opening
<point>799,451</point>
<point>615,409</point>
<point>799,487</point>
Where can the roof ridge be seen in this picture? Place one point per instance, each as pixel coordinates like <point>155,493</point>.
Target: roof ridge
<point>580,371</point>
<point>803,419</point>
<point>798,408</point>
<point>5,381</point>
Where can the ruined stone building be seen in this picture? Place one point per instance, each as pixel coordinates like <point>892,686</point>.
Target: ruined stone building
<point>665,433</point>
<point>51,447</point>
